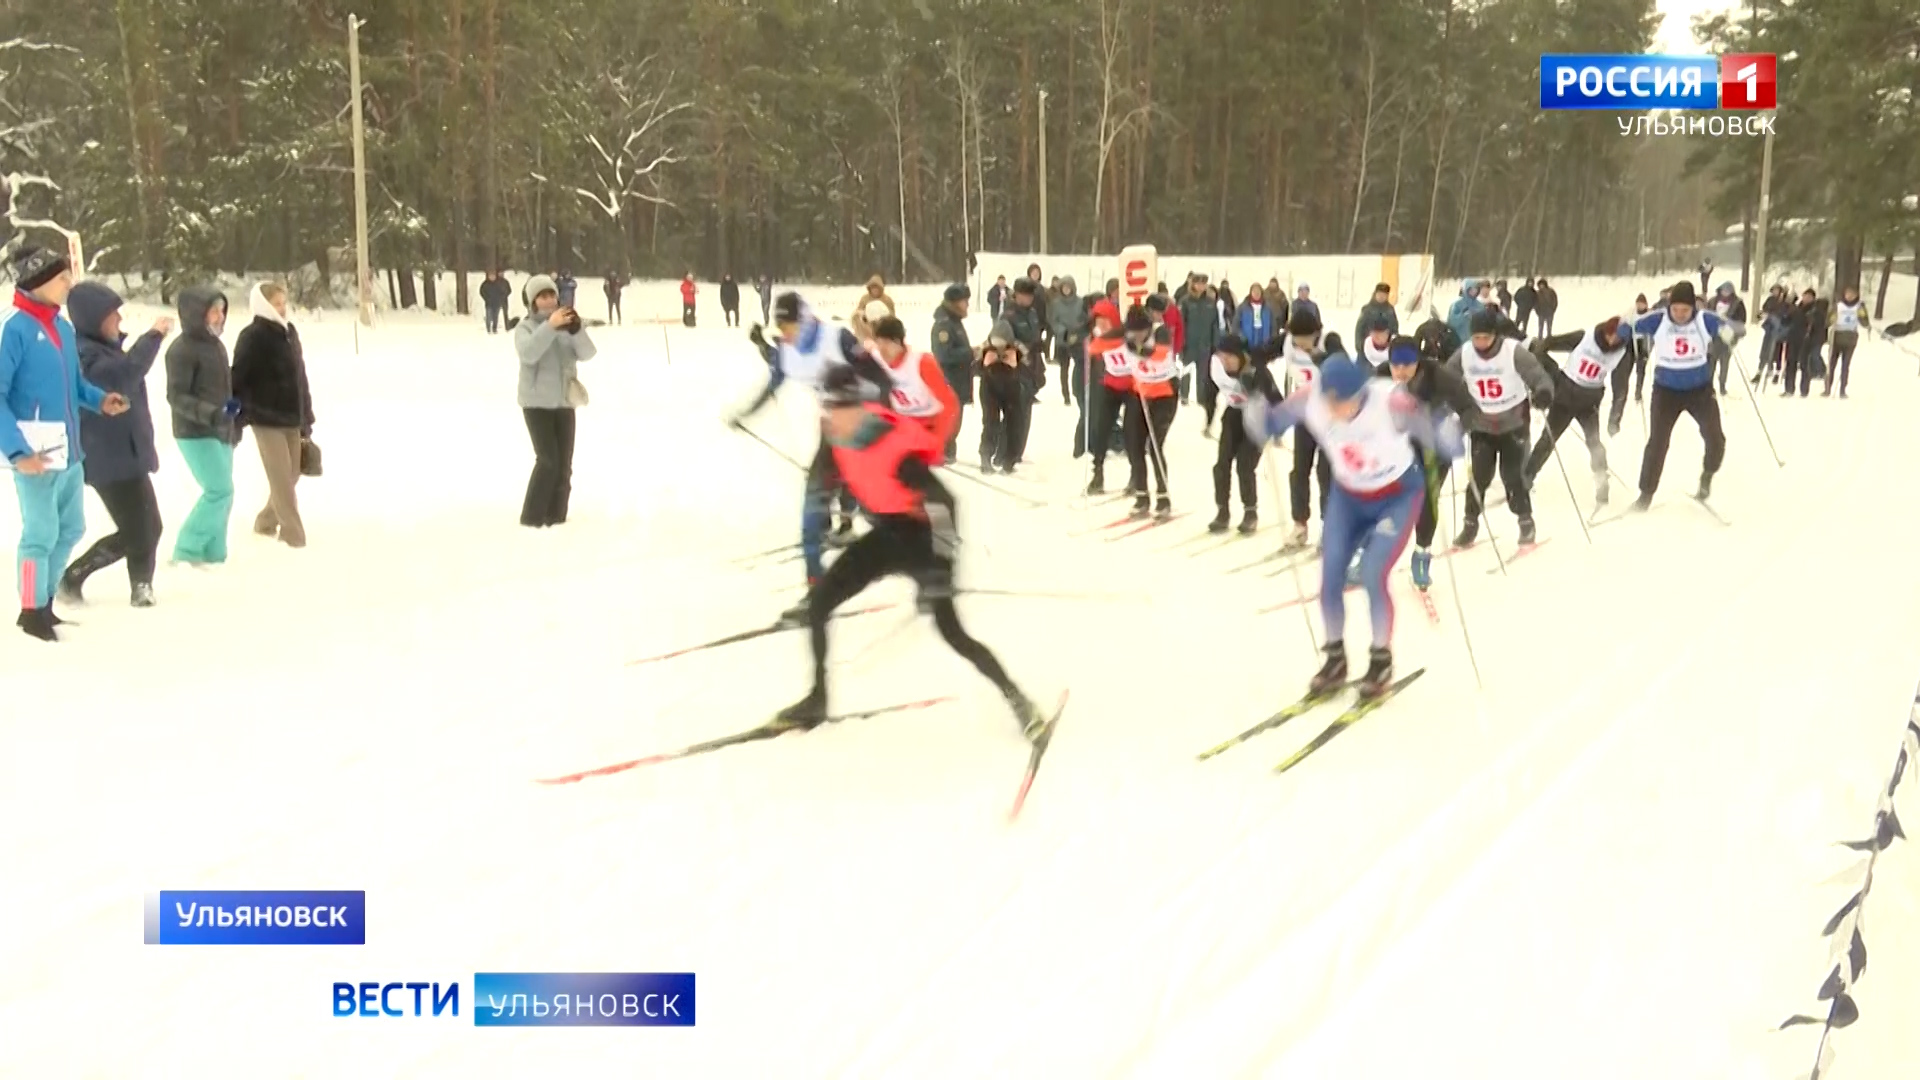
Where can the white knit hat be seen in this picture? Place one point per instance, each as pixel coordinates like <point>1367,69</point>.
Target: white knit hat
<point>875,310</point>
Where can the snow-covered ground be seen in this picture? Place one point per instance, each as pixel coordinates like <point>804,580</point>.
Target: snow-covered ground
<point>1613,862</point>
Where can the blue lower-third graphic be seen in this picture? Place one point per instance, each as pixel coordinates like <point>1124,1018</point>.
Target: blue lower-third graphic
<point>582,999</point>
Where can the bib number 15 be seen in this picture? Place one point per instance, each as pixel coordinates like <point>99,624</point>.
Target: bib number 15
<point>1488,389</point>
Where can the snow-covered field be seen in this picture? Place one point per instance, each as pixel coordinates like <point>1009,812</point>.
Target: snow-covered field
<point>1613,862</point>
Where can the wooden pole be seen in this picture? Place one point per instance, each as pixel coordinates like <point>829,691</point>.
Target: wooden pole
<point>364,278</point>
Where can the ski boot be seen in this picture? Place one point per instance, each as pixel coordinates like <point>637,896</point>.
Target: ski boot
<point>1332,674</point>
<point>1163,509</point>
<point>37,623</point>
<point>1423,569</point>
<point>1007,469</point>
<point>1379,676</point>
<point>1034,724</point>
<point>1469,533</point>
<point>1642,504</point>
<point>1142,508</point>
<point>1250,523</point>
<point>1220,522</point>
<point>1613,427</point>
<point>803,715</point>
<point>797,616</point>
<point>1296,540</point>
<point>1706,487</point>
<point>1526,532</point>
<point>143,594</point>
<point>1097,486</point>
<point>1600,490</point>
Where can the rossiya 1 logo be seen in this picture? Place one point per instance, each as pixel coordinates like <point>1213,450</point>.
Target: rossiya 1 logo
<point>1635,81</point>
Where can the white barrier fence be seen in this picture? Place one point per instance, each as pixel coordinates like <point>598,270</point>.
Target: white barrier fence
<point>1337,281</point>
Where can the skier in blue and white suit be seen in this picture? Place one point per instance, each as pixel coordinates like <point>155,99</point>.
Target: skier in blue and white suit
<point>1368,428</point>
<point>1682,382</point>
<point>807,349</point>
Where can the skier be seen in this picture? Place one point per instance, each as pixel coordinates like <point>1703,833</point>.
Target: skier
<point>1579,385</point>
<point>1238,376</point>
<point>883,459</point>
<point>1503,377</point>
<point>920,391</point>
<point>1634,371</point>
<point>1849,318</point>
<point>1150,411</point>
<point>1421,370</point>
<point>808,349</point>
<point>1109,396</point>
<point>1376,337</point>
<point>1370,427</point>
<point>1304,356</point>
<point>1732,311</point>
<point>1682,380</point>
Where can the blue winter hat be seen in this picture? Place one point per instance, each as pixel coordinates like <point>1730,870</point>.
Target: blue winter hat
<point>1403,352</point>
<point>1341,378</point>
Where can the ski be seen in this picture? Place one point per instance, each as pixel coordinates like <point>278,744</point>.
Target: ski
<point>1360,711</point>
<point>1287,551</point>
<point>1033,760</point>
<point>767,554</point>
<point>1220,543</point>
<point>1518,554</point>
<point>1108,527</point>
<point>749,635</point>
<point>1708,507</point>
<point>1305,705</point>
<point>1187,543</point>
<point>769,730</point>
<point>1427,605</point>
<point>1149,524</point>
<point>1289,605</point>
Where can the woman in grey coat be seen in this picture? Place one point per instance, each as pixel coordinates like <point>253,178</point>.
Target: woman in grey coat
<point>551,343</point>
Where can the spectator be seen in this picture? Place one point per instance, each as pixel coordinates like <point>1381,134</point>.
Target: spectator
<point>495,294</point>
<point>1772,319</point>
<point>1732,311</point>
<point>955,354</point>
<point>551,342</point>
<point>567,287</point>
<point>1523,301</point>
<point>1067,317</point>
<point>1380,307</point>
<point>1003,393</point>
<point>121,456</point>
<point>1460,315</point>
<point>765,288</point>
<point>1706,271</point>
<point>862,323</point>
<point>1227,311</point>
<point>1505,298</point>
<point>1023,318</point>
<point>730,299</point>
<point>1202,321</point>
<point>997,297</point>
<point>1303,301</point>
<point>1810,337</point>
<point>1255,321</point>
<point>205,428</point>
<point>1545,302</point>
<point>270,382</point>
<point>612,285</point>
<point>41,395</point>
<point>688,293</point>
<point>1276,298</point>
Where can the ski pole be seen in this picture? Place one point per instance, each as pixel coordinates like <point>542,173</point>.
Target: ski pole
<point>1453,586</point>
<point>1030,504</point>
<point>1742,368</point>
<point>1554,448</point>
<point>1293,565</point>
<point>776,451</point>
<point>1477,498</point>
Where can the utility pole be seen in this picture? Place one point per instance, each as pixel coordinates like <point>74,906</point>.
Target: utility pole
<point>364,278</point>
<point>1766,180</point>
<point>1043,172</point>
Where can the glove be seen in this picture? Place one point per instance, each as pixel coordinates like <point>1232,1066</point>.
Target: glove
<point>1726,333</point>
<point>1452,439</point>
<point>758,335</point>
<point>232,408</point>
<point>1542,398</point>
<point>573,323</point>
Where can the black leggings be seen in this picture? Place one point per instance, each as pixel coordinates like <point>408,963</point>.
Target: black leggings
<point>1299,486</point>
<point>1437,468</point>
<point>1571,402</point>
<point>1663,413</point>
<point>1142,449</point>
<point>897,545</point>
<point>136,536</point>
<point>1238,454</point>
<point>550,486</point>
<point>1844,344</point>
<point>1507,452</point>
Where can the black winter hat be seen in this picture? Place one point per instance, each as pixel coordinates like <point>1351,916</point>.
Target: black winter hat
<point>1157,302</point>
<point>1138,321</point>
<point>786,308</point>
<point>1232,344</point>
<point>1026,287</point>
<point>957,293</point>
<point>1682,293</point>
<point>1303,323</point>
<point>890,329</point>
<point>840,386</point>
<point>35,266</point>
<point>1485,320</point>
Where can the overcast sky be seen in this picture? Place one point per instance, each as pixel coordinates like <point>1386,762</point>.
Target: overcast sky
<point>1676,34</point>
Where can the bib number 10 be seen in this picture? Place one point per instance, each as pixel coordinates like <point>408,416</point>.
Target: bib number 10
<point>1588,369</point>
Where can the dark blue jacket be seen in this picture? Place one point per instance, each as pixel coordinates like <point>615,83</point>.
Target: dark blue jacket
<point>118,448</point>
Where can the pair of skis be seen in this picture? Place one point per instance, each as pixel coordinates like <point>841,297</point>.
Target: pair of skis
<point>779,626</point>
<point>1359,711</point>
<point>773,729</point>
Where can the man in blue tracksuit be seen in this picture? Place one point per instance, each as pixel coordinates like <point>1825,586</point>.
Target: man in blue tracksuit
<point>1461,314</point>
<point>1682,382</point>
<point>41,384</point>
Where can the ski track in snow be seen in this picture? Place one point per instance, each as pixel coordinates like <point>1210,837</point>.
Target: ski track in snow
<point>1614,862</point>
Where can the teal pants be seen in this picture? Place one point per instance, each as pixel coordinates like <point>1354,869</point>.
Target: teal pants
<point>53,509</point>
<point>203,536</point>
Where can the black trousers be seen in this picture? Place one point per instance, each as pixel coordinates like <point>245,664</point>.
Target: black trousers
<point>1104,410</point>
<point>1799,367</point>
<point>1571,402</point>
<point>896,545</point>
<point>1844,344</point>
<point>1239,455</point>
<point>686,315</point>
<point>1508,454</point>
<point>1308,462</point>
<point>613,310</point>
<point>1720,355</point>
<point>1063,355</point>
<point>1020,421</point>
<point>136,533</point>
<point>1663,413</point>
<point>1207,391</point>
<point>550,487</point>
<point>1146,425</point>
<point>733,315</point>
<point>1437,468</point>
